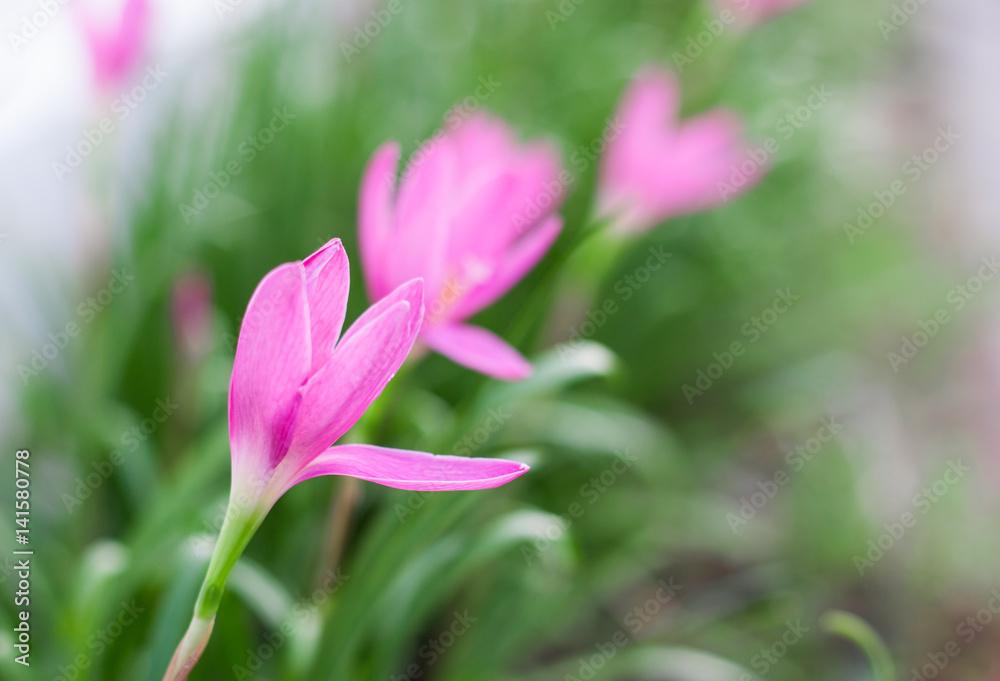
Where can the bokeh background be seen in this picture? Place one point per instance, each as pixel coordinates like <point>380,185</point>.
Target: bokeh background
<point>661,534</point>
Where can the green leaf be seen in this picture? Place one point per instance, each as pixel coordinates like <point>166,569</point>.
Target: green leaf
<point>850,626</point>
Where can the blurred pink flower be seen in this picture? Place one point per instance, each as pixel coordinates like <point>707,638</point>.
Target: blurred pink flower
<point>298,385</point>
<point>752,11</point>
<point>118,46</point>
<point>472,217</point>
<point>657,167</point>
<point>191,310</point>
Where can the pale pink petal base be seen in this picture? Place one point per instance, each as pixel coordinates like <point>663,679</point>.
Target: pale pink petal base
<point>404,469</point>
<point>477,349</point>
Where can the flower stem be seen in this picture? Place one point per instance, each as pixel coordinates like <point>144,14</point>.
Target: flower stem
<point>237,529</point>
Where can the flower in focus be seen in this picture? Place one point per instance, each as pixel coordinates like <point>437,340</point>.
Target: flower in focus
<point>117,45</point>
<point>298,385</point>
<point>472,217</point>
<point>753,11</point>
<point>657,167</point>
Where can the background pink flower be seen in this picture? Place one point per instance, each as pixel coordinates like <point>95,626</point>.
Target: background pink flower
<point>657,167</point>
<point>472,216</point>
<point>118,45</point>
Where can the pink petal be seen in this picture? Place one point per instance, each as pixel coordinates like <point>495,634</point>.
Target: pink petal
<point>361,366</point>
<point>477,349</point>
<point>656,168</point>
<point>424,212</point>
<point>532,190</point>
<point>517,262</point>
<point>404,469</point>
<point>714,144</point>
<point>328,281</point>
<point>480,224</point>
<point>376,216</point>
<point>116,48</point>
<point>652,102</point>
<point>482,137</point>
<point>273,357</point>
<point>411,292</point>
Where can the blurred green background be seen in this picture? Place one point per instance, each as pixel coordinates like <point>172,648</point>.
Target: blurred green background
<point>711,550</point>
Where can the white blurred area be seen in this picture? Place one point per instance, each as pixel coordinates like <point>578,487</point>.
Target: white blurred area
<point>946,73</point>
<point>57,229</point>
<point>960,41</point>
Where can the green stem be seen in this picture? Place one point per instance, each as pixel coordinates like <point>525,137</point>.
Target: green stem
<point>237,529</point>
<point>853,628</point>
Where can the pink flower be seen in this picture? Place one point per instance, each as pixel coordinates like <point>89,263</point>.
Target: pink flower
<point>753,11</point>
<point>298,385</point>
<point>472,217</point>
<point>656,167</point>
<point>117,47</point>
